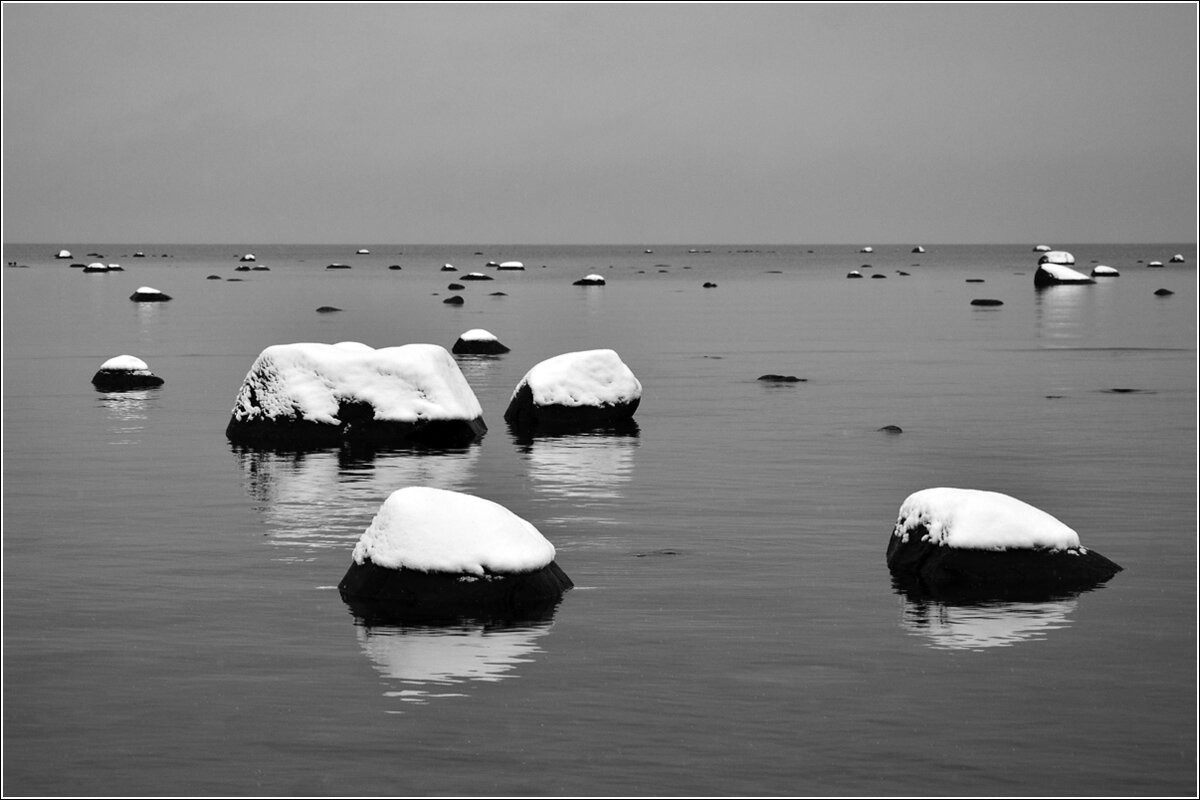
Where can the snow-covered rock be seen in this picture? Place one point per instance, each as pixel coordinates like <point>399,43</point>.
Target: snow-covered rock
<point>475,276</point>
<point>362,251</point>
<point>64,254</point>
<point>1177,258</point>
<point>1057,274</point>
<point>148,294</point>
<point>311,394</point>
<point>477,341</point>
<point>967,542</point>
<point>867,250</point>
<point>124,372</point>
<point>513,265</point>
<point>575,391</point>
<point>96,266</point>
<point>432,554</point>
<point>1101,271</point>
<point>590,280</point>
<point>1042,248</point>
<point>1057,257</point>
<point>854,274</point>
<point>1154,264</point>
<point>248,257</point>
<point>918,249</point>
<point>449,268</point>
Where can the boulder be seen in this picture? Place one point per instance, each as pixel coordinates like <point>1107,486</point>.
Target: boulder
<point>328,309</point>
<point>115,268</point>
<point>1177,258</point>
<point>320,395</point>
<point>1104,272</point>
<point>64,254</point>
<point>590,280</point>
<point>1155,264</point>
<point>449,268</point>
<point>478,342</point>
<point>511,265</point>
<point>247,257</point>
<point>454,300</point>
<point>148,294</point>
<point>475,276</point>
<point>338,266</point>
<point>1057,275</point>
<point>96,267</point>
<point>986,301</point>
<point>867,250</point>
<point>853,274</point>
<point>1163,292</point>
<point>455,287</point>
<point>963,544</point>
<point>432,555</point>
<point>918,249</point>
<point>362,251</point>
<point>213,278</point>
<point>773,378</point>
<point>575,391</point>
<point>122,373</point>
<point>394,266</point>
<point>709,285</point>
<point>242,268</point>
<point>1057,257</point>
<point>1041,248</point>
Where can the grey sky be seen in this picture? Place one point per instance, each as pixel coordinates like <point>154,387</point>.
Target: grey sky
<point>599,123</point>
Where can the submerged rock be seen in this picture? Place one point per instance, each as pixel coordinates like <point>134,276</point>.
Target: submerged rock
<point>891,429</point>
<point>575,391</point>
<point>338,266</point>
<point>475,276</point>
<point>773,378</point>
<point>125,372</point>
<point>1177,258</point>
<point>477,341</point>
<point>965,543</point>
<point>432,555</point>
<point>328,309</point>
<point>319,395</point>
<point>986,301</point>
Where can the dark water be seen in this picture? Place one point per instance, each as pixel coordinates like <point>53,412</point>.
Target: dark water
<point>171,623</point>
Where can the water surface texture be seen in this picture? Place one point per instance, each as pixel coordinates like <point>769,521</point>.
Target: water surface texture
<point>171,622</point>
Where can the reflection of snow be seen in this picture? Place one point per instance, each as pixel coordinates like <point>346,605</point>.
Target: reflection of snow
<point>323,499</point>
<point>988,625</point>
<point>1061,310</point>
<point>589,471</point>
<point>127,414</point>
<point>425,661</point>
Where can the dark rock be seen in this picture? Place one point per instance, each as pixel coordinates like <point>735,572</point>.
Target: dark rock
<point>213,278</point>
<point>961,574</point>
<point>589,280</point>
<point>117,380</point>
<point>475,276</point>
<point>523,414</point>
<point>1059,275</point>
<point>853,274</point>
<point>327,309</point>
<point>709,285</point>
<point>410,596</point>
<point>1163,292</point>
<point>456,300</point>
<point>772,378</point>
<point>242,268</point>
<point>892,429</point>
<point>498,294</point>
<point>986,301</point>
<point>974,280</point>
<point>338,266</point>
<point>455,287</point>
<point>395,266</point>
<point>879,275</point>
<point>261,268</point>
<point>478,347</point>
<point>78,266</point>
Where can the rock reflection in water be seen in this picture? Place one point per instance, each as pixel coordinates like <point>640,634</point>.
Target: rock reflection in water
<point>1061,311</point>
<point>127,413</point>
<point>583,474</point>
<point>986,625</point>
<point>320,499</point>
<point>420,664</point>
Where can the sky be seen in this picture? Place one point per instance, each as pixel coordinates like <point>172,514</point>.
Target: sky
<point>599,124</point>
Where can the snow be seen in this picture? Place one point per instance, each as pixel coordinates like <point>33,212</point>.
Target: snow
<point>1063,273</point>
<point>1103,270</point>
<point>434,530</point>
<point>512,264</point>
<point>478,335</point>
<point>1057,257</point>
<point>147,290</point>
<point>972,519</point>
<point>587,378</point>
<point>403,384</point>
<point>125,364</point>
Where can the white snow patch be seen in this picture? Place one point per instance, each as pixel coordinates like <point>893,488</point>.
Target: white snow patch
<point>1104,270</point>
<point>64,254</point>
<point>1063,273</point>
<point>511,264</point>
<point>403,384</point>
<point>1042,248</point>
<point>478,335</point>
<point>97,266</point>
<point>587,378</point>
<point>972,519</point>
<point>147,290</point>
<point>125,364</point>
<point>434,530</point>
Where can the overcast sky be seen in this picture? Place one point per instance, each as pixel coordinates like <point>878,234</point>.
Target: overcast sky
<point>794,123</point>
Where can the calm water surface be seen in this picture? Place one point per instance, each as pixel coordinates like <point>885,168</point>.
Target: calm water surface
<point>171,622</point>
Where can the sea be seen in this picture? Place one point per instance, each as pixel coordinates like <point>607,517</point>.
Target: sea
<point>171,618</point>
